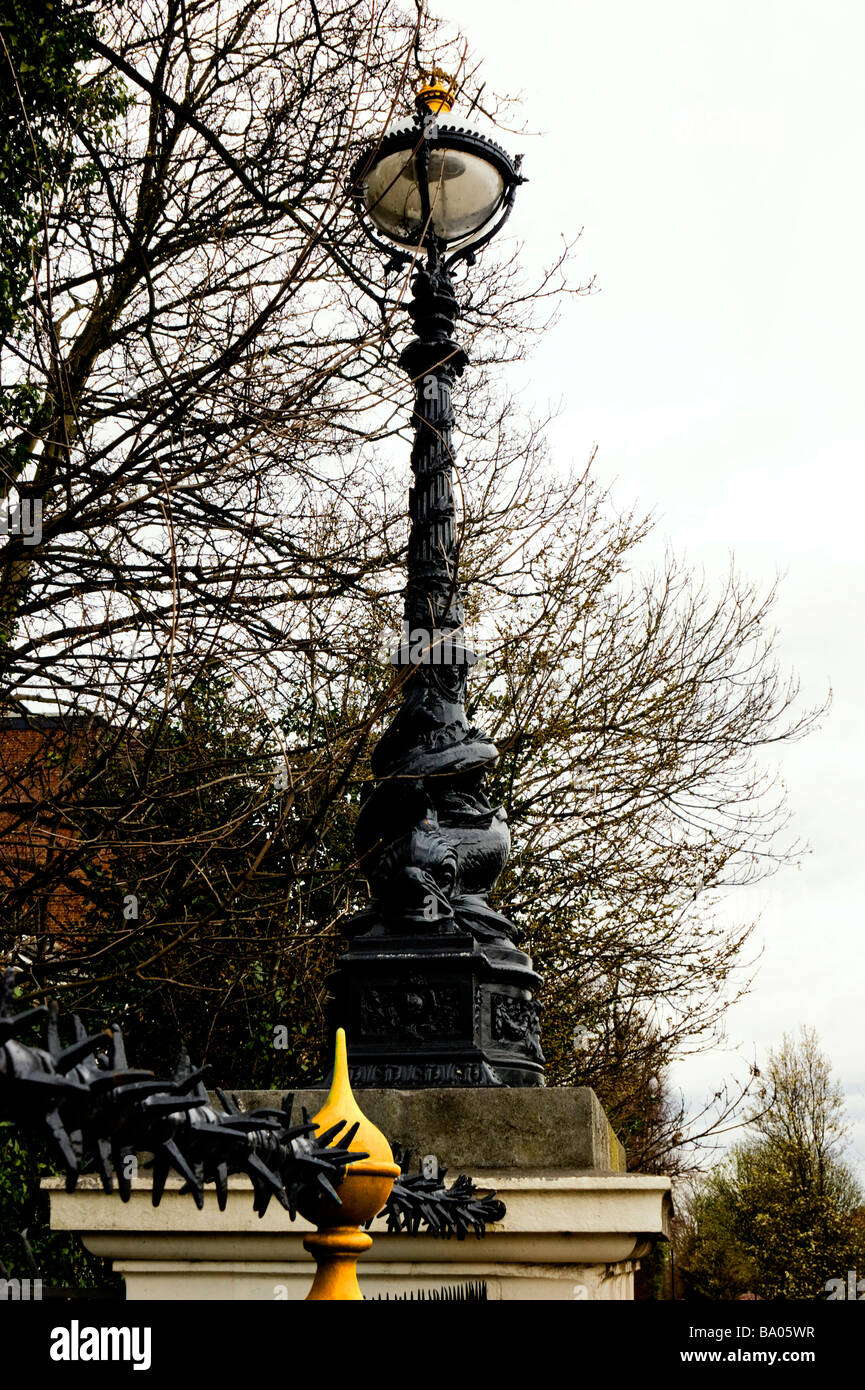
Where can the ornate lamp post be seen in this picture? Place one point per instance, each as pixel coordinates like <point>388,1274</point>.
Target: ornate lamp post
<point>433,990</point>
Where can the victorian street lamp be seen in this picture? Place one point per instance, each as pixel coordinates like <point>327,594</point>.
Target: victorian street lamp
<point>433,989</point>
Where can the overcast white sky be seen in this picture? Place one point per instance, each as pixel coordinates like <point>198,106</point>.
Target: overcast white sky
<point>714,157</point>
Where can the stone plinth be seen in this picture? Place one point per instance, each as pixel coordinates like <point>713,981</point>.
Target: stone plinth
<point>495,1128</point>
<point>576,1223</point>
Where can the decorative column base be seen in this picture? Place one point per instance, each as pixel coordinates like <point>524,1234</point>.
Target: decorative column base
<point>436,1011</point>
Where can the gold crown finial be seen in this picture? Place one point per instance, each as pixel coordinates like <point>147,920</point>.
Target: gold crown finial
<point>437,91</point>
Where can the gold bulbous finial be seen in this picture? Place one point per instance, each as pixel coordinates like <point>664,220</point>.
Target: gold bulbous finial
<point>341,1105</point>
<point>362,1192</point>
<point>437,92</point>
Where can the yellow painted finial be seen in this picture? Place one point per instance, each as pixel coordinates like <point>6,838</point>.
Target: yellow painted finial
<point>341,1105</point>
<point>437,92</point>
<point>362,1192</point>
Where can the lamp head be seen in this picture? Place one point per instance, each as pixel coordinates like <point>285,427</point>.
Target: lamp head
<point>429,184</point>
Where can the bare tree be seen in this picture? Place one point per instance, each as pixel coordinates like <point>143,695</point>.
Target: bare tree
<point>210,406</point>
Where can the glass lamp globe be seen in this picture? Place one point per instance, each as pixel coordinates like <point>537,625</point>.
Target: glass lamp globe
<point>466,191</point>
<point>469,180</point>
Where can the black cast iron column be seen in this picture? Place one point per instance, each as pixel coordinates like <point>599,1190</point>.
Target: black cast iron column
<point>433,990</point>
